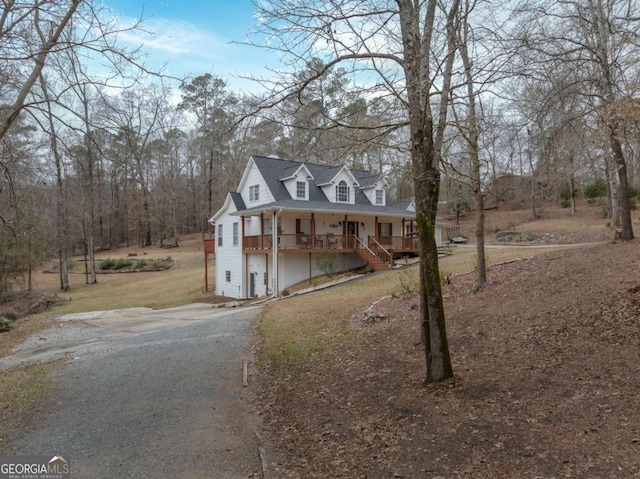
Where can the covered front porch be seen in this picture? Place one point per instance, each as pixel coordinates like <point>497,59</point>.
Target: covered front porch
<point>378,252</point>
<point>328,243</point>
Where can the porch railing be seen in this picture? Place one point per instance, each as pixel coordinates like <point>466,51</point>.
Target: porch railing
<point>328,241</point>
<point>299,241</point>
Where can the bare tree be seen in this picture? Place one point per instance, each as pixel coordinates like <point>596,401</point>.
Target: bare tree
<point>410,48</point>
<point>61,208</point>
<point>599,39</point>
<point>29,32</point>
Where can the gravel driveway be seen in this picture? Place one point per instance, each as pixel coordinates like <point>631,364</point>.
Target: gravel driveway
<point>146,394</point>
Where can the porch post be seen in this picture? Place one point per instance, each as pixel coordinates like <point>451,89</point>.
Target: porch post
<point>261,230</point>
<point>274,237</point>
<point>246,259</point>
<point>375,230</point>
<point>266,262</point>
<point>313,231</point>
<point>345,240</point>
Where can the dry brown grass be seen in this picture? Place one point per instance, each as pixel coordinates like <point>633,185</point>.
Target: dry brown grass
<point>291,332</point>
<point>182,284</point>
<point>21,388</point>
<point>20,391</point>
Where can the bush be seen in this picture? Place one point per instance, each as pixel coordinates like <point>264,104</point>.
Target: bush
<point>141,263</point>
<point>122,263</point>
<point>329,263</point>
<point>596,189</point>
<point>107,263</point>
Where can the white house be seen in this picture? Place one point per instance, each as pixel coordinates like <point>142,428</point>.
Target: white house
<point>287,219</point>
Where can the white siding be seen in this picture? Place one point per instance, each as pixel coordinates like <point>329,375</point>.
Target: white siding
<point>292,187</point>
<point>370,193</point>
<point>229,257</point>
<point>254,177</point>
<point>294,268</point>
<point>258,264</point>
<point>330,190</point>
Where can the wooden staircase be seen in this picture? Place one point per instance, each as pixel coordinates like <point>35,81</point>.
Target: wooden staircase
<point>379,259</point>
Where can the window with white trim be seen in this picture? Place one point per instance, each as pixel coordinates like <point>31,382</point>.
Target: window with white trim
<point>254,193</point>
<point>379,197</point>
<point>342,192</point>
<point>220,235</point>
<point>301,190</point>
<point>235,233</point>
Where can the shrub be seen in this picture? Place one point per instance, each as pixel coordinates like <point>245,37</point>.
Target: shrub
<point>107,263</point>
<point>141,263</point>
<point>596,189</point>
<point>122,263</point>
<point>329,263</point>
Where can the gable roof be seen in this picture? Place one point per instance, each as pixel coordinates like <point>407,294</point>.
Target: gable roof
<point>232,197</point>
<point>273,170</point>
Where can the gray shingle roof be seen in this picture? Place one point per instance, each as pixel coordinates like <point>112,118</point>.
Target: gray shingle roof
<point>273,169</point>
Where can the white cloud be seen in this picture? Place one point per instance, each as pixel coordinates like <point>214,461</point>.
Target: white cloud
<point>176,38</point>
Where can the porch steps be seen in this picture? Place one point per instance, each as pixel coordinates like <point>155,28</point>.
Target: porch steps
<point>372,260</point>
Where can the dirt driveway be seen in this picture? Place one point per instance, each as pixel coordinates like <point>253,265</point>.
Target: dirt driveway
<point>146,394</point>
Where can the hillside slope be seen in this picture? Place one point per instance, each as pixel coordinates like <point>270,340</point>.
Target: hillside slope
<point>547,381</point>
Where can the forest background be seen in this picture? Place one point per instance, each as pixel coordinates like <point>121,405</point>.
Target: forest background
<point>98,151</point>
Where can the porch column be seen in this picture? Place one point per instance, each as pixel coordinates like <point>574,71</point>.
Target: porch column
<point>274,238</point>
<point>313,230</point>
<point>266,262</point>
<point>261,245</point>
<point>345,240</point>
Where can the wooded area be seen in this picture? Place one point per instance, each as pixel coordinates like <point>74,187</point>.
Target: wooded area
<point>462,102</point>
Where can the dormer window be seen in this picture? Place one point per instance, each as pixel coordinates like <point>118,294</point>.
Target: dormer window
<point>254,193</point>
<point>301,190</point>
<point>379,197</point>
<point>342,192</point>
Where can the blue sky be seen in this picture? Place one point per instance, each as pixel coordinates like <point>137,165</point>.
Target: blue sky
<point>195,36</point>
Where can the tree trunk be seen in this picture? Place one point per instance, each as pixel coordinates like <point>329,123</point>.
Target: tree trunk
<point>425,158</point>
<point>474,155</point>
<point>61,224</point>
<point>626,232</point>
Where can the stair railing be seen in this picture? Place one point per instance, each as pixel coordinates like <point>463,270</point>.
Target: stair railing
<point>380,251</point>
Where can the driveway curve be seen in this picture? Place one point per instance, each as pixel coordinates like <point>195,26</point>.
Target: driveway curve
<point>146,394</point>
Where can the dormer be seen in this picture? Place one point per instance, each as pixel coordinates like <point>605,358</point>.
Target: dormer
<point>377,192</point>
<point>341,188</point>
<point>253,187</point>
<point>298,183</point>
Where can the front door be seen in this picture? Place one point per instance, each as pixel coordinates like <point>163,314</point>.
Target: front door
<point>352,230</point>
<point>252,285</point>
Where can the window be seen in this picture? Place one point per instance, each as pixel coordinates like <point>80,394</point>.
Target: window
<point>384,229</point>
<point>220,235</point>
<point>235,234</point>
<point>227,276</point>
<point>254,193</point>
<point>342,192</point>
<point>301,190</point>
<point>379,197</point>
